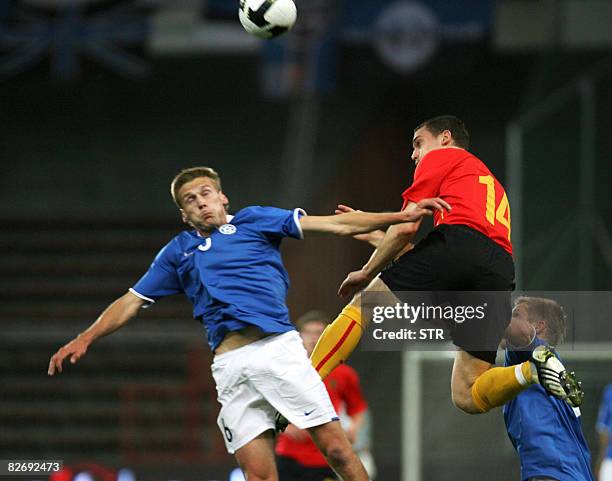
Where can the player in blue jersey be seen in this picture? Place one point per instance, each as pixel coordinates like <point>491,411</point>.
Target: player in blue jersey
<point>545,430</point>
<point>603,465</point>
<point>231,270</point>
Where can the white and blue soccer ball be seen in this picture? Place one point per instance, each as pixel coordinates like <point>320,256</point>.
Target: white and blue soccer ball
<point>267,18</point>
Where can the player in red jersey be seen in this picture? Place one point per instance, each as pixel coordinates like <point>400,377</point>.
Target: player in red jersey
<point>468,250</point>
<point>298,458</point>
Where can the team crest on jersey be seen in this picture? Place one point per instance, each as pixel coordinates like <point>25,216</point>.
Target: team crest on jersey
<point>227,229</point>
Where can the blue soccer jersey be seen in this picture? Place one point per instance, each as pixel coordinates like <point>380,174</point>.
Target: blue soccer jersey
<point>234,278</point>
<point>546,432</point>
<point>604,418</point>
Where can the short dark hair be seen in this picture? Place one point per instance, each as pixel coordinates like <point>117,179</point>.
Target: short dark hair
<point>187,175</point>
<point>549,311</point>
<point>313,316</point>
<point>453,124</point>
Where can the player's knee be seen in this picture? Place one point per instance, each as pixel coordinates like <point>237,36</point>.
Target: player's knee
<point>258,470</point>
<point>257,473</point>
<point>462,399</point>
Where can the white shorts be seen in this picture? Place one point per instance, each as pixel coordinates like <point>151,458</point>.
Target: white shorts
<point>269,375</point>
<point>605,472</point>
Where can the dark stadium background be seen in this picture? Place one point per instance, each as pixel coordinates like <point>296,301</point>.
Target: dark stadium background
<point>94,128</point>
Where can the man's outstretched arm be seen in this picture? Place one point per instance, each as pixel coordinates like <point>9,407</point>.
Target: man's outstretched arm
<point>342,336</point>
<point>374,238</point>
<point>397,238</point>
<point>351,223</point>
<point>113,317</point>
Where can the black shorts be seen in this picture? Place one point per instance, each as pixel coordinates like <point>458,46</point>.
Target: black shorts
<point>459,258</point>
<point>290,470</point>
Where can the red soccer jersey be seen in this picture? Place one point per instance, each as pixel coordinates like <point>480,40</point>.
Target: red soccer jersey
<point>343,387</point>
<point>477,198</point>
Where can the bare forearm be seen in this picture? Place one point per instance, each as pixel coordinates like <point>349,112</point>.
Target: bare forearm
<point>357,222</point>
<point>113,317</point>
<point>351,223</point>
<point>361,222</point>
<point>374,238</point>
<point>391,245</point>
<point>397,241</point>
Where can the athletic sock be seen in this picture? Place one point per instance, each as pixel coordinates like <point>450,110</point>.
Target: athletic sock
<point>338,341</point>
<point>499,385</point>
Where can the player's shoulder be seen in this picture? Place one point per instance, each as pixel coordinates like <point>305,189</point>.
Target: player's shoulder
<point>445,158</point>
<point>258,214</point>
<point>448,154</point>
<point>185,239</point>
<point>468,163</point>
<point>608,393</point>
<point>254,212</point>
<point>468,159</point>
<point>182,242</point>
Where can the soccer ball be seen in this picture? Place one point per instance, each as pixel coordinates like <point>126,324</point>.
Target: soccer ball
<point>267,18</point>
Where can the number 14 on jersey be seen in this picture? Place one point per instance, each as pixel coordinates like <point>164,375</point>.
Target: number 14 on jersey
<point>502,213</point>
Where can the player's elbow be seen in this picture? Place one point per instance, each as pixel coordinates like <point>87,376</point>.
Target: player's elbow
<point>465,402</point>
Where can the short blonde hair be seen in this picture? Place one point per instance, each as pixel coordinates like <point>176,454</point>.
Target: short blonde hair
<point>549,311</point>
<point>187,175</point>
